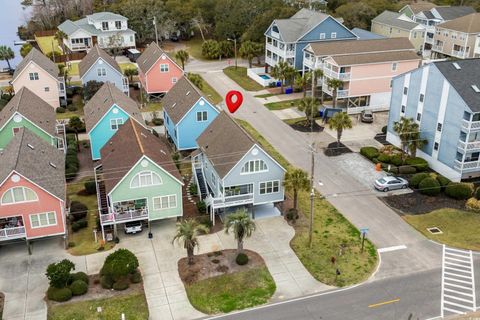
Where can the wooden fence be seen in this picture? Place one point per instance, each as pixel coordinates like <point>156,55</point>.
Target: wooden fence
<point>45,33</point>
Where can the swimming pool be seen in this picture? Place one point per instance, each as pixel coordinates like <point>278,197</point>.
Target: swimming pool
<point>265,76</point>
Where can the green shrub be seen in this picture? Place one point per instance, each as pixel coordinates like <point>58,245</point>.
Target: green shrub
<point>72,108</point>
<point>429,186</point>
<point>292,214</point>
<point>193,189</point>
<point>477,193</point>
<point>473,204</point>
<point>419,163</point>
<point>90,187</point>
<point>242,259</point>
<point>136,277</point>
<point>59,273</point>
<point>417,178</point>
<point>60,110</point>
<point>80,224</point>
<point>384,129</point>
<point>202,207</point>
<point>82,276</point>
<point>106,282</point>
<point>157,121</point>
<point>443,181</point>
<point>459,190</point>
<point>406,170</point>
<point>78,287</point>
<point>121,284</point>
<point>78,211</point>
<point>369,152</point>
<point>119,264</point>
<point>59,294</point>
<point>385,158</point>
<point>393,169</point>
<point>396,159</point>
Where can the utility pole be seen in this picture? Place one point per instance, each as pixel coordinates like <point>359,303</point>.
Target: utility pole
<point>235,49</point>
<point>156,31</point>
<point>312,191</point>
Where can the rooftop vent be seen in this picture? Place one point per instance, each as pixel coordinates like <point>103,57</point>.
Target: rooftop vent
<point>457,66</point>
<point>30,146</point>
<point>475,88</point>
<point>173,105</point>
<point>143,134</point>
<point>163,152</point>
<point>53,165</point>
<point>188,92</point>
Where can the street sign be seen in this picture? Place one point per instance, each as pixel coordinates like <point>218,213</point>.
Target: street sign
<point>363,230</point>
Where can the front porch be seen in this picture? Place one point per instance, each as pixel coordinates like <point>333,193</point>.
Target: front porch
<point>12,228</point>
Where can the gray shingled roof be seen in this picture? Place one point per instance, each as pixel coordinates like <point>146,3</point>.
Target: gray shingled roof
<point>41,60</point>
<point>419,6</point>
<point>428,14</point>
<point>127,146</point>
<point>103,100</point>
<point>463,79</point>
<point>148,57</point>
<point>36,160</point>
<point>450,13</point>
<point>92,56</point>
<point>293,28</point>
<point>391,18</point>
<point>376,57</point>
<point>467,24</point>
<point>181,98</point>
<point>363,34</point>
<point>32,107</point>
<point>346,47</point>
<point>105,15</point>
<point>224,142</point>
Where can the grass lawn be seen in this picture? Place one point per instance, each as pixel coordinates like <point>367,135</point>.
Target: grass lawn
<point>230,292</point>
<point>77,100</point>
<point>152,106</point>
<point>73,70</point>
<point>127,65</point>
<point>210,92</point>
<point>239,75</point>
<point>83,239</point>
<point>266,95</point>
<point>194,48</point>
<point>45,44</point>
<point>331,231</point>
<point>282,104</point>
<point>134,306</point>
<point>460,228</point>
<point>294,120</point>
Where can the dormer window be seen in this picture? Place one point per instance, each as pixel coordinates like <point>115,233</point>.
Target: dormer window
<point>105,25</point>
<point>118,25</point>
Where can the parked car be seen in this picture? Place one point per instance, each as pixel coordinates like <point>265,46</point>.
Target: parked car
<point>366,116</point>
<point>174,38</point>
<point>388,183</point>
<point>132,54</point>
<point>133,227</point>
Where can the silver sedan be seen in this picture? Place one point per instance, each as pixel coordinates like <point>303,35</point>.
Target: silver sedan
<point>388,183</point>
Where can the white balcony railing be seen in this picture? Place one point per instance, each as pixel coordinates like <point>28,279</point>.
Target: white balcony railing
<point>469,165</point>
<point>337,75</point>
<point>343,93</point>
<point>230,201</point>
<point>125,216</point>
<point>469,146</point>
<point>471,125</point>
<point>275,35</point>
<point>428,40</point>
<point>438,48</point>
<point>458,54</point>
<point>12,233</point>
<point>285,53</point>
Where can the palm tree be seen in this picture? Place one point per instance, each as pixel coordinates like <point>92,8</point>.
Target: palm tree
<point>59,36</point>
<point>282,71</point>
<point>302,81</point>
<point>187,234</point>
<point>409,134</point>
<point>259,50</point>
<point>340,121</point>
<point>182,56</point>
<point>248,51</point>
<point>7,54</point>
<point>334,84</point>
<point>296,180</point>
<point>317,73</point>
<point>241,225</point>
<point>76,124</point>
<point>130,72</point>
<point>309,105</point>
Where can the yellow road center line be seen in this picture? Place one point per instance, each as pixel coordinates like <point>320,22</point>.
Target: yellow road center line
<point>383,303</point>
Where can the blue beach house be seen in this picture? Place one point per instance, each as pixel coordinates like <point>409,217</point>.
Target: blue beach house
<point>186,113</point>
<point>98,65</point>
<point>286,38</point>
<point>108,109</point>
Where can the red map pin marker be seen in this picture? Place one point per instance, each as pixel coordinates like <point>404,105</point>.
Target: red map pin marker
<point>233,105</point>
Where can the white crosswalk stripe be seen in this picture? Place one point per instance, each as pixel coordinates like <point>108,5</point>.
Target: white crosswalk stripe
<point>458,282</point>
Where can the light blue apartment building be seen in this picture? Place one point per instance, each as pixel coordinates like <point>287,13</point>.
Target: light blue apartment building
<point>99,66</point>
<point>186,114</point>
<point>232,170</point>
<point>286,38</point>
<point>444,99</point>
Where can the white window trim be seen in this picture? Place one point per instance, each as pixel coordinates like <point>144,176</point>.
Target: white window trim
<point>13,129</point>
<point>272,181</point>
<point>162,65</point>
<point>152,173</point>
<point>13,197</point>
<point>32,75</point>
<point>116,123</point>
<point>40,213</point>
<point>253,172</point>
<point>202,118</point>
<point>102,73</point>
<point>394,66</point>
<point>174,80</point>
<point>322,35</point>
<point>333,35</point>
<point>168,202</point>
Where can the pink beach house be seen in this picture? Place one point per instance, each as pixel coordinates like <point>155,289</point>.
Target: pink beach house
<point>158,73</point>
<point>32,189</point>
<point>364,67</point>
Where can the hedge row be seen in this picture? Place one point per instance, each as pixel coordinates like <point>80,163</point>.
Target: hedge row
<point>410,166</point>
<point>72,164</point>
<point>432,184</point>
